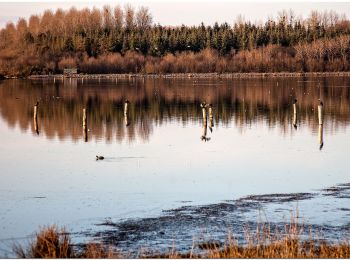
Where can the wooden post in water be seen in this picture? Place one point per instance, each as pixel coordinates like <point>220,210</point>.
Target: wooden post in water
<point>126,112</point>
<point>85,125</point>
<point>126,105</point>
<point>204,111</point>
<point>320,113</point>
<point>204,134</point>
<point>295,115</point>
<point>211,117</point>
<point>35,118</point>
<point>204,114</point>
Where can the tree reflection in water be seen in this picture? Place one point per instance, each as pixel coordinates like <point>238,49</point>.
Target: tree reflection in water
<point>127,110</point>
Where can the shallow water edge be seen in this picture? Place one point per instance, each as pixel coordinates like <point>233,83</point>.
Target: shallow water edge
<point>195,75</point>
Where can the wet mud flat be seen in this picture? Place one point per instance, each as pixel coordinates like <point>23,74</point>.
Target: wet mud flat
<point>196,229</point>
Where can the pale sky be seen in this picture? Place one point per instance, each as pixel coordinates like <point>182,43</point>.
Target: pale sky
<point>170,12</point>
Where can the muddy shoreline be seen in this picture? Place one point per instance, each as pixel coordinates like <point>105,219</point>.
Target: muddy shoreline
<point>193,75</point>
<point>195,228</point>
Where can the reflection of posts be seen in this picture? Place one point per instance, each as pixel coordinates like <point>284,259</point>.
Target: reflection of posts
<point>85,126</point>
<point>35,118</point>
<point>320,113</point>
<point>126,114</point>
<point>211,121</point>
<point>204,113</point>
<point>320,136</point>
<point>204,135</point>
<point>295,116</point>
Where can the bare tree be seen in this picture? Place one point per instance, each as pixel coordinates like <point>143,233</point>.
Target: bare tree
<point>129,17</point>
<point>333,18</point>
<point>34,23</point>
<point>21,26</point>
<point>58,19</point>
<point>95,20</point>
<point>118,17</point>
<point>314,19</point>
<point>330,49</point>
<point>343,43</point>
<point>301,55</point>
<point>143,18</point>
<point>46,21</point>
<point>108,21</point>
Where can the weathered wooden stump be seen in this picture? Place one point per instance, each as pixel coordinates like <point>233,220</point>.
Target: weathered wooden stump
<point>320,114</point>
<point>35,118</point>
<point>211,117</point>
<point>295,116</point>
<point>126,112</point>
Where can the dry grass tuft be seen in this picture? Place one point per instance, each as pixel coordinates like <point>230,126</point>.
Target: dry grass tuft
<point>97,250</point>
<point>287,243</point>
<point>285,249</point>
<point>50,242</point>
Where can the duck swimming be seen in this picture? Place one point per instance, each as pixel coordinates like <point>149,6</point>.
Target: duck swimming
<point>99,157</point>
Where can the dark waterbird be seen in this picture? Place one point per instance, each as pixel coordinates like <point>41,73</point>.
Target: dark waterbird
<point>99,157</point>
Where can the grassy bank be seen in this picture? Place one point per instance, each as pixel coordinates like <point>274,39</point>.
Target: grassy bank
<point>52,242</point>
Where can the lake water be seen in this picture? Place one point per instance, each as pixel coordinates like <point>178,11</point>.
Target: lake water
<point>160,155</point>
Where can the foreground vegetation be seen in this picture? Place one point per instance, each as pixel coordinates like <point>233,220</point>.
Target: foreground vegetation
<point>52,242</point>
<point>124,40</point>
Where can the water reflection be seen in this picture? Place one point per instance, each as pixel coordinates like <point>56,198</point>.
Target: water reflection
<point>112,105</point>
<point>85,129</point>
<point>211,118</point>
<point>320,136</point>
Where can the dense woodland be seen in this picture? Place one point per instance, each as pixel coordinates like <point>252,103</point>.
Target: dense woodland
<point>125,40</point>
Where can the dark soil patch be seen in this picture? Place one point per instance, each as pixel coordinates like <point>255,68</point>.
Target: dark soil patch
<point>341,191</point>
<point>279,198</point>
<point>210,245</point>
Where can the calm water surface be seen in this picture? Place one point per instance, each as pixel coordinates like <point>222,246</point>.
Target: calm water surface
<point>155,156</point>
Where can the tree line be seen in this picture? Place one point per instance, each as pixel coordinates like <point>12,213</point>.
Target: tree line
<point>125,40</point>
